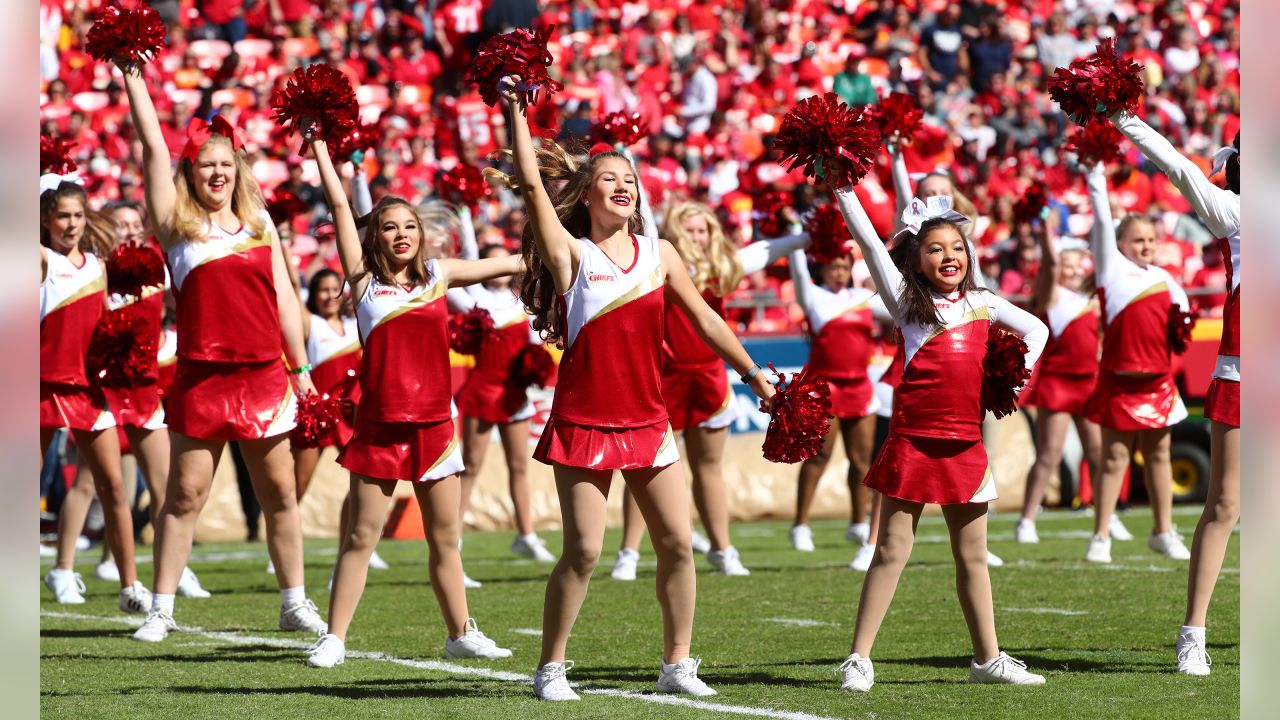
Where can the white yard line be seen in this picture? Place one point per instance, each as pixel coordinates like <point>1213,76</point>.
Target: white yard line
<point>799,622</point>
<point>531,632</point>
<point>1045,611</point>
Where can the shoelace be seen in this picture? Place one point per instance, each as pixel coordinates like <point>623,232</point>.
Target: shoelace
<point>557,673</point>
<point>160,616</point>
<point>688,669</point>
<point>315,647</point>
<point>79,582</point>
<point>1000,663</point>
<point>1192,649</point>
<point>852,662</point>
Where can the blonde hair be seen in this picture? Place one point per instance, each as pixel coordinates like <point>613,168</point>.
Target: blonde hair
<point>717,265</point>
<point>439,218</point>
<point>959,202</point>
<point>191,218</point>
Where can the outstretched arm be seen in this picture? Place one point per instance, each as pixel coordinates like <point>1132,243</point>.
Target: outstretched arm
<point>462,273</point>
<point>157,170</point>
<point>761,254</point>
<point>344,223</point>
<point>1021,323</point>
<point>885,274</point>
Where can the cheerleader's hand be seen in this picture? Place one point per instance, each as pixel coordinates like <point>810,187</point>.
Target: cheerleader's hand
<point>305,385</point>
<point>763,388</point>
<point>508,91</point>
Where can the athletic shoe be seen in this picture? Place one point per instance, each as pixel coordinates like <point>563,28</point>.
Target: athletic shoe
<point>328,651</point>
<point>858,533</point>
<point>550,683</point>
<point>271,568</point>
<point>156,627</point>
<point>727,562</point>
<point>862,560</point>
<point>83,543</point>
<point>993,560</point>
<point>1025,532</point>
<point>1003,670</point>
<point>470,584</point>
<point>802,538</point>
<point>46,551</point>
<point>66,585</point>
<point>700,543</point>
<point>682,677</point>
<point>1099,549</point>
<point>474,644</point>
<point>107,570</point>
<point>1193,659</point>
<point>857,673</point>
<point>1117,530</point>
<point>135,599</point>
<point>624,568</point>
<point>189,585</point>
<point>303,616</point>
<point>533,547</point>
<point>377,563</point>
<point>1169,544</point>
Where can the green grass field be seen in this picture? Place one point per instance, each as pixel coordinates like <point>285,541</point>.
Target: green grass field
<point>771,642</point>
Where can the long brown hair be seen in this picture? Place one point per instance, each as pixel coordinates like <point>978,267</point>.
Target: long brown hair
<point>568,178</point>
<point>917,292</point>
<point>191,218</point>
<point>99,235</point>
<point>717,266</point>
<point>376,262</point>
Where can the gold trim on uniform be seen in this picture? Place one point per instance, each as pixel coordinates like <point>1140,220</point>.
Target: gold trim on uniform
<point>642,288</point>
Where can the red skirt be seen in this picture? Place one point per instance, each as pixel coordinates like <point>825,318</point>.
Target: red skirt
<point>698,397</point>
<point>1130,404</point>
<point>139,407</point>
<point>851,398</point>
<point>417,452</point>
<point>606,448</point>
<point>1052,392</point>
<point>74,407</point>
<point>1222,404</point>
<point>493,400</point>
<point>932,470</point>
<point>230,401</point>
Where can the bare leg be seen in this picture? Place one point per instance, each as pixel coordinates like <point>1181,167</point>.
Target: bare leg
<point>1091,441</point>
<point>190,477</point>
<point>967,525</point>
<point>859,437</point>
<point>515,446</point>
<point>101,452</point>
<point>632,521</point>
<point>151,449</point>
<point>439,502</point>
<point>1158,475</point>
<point>305,461</point>
<point>898,520</point>
<point>271,469</point>
<point>706,453</point>
<point>72,515</point>
<point>873,528</point>
<point>368,501</point>
<point>1051,433</point>
<point>661,495</point>
<point>475,442</point>
<point>582,497</point>
<point>810,473</point>
<point>1221,511</point>
<point>1106,491</point>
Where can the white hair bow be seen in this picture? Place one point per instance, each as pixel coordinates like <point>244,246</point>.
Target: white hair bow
<point>51,181</point>
<point>1221,156</point>
<point>920,211</point>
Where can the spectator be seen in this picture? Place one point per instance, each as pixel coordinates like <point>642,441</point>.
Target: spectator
<point>699,98</point>
<point>990,54</point>
<point>852,85</point>
<point>942,48</point>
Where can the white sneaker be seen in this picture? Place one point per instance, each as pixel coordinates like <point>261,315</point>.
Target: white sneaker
<point>533,547</point>
<point>107,570</point>
<point>682,677</point>
<point>1117,530</point>
<point>66,585</point>
<point>624,568</point>
<point>470,584</point>
<point>135,599</point>
<point>858,532</point>
<point>328,651</point>
<point>1099,549</point>
<point>83,543</point>
<point>993,560</point>
<point>1025,532</point>
<point>857,673</point>
<point>46,551</point>
<point>727,562</point>
<point>862,560</point>
<point>700,543</point>
<point>1193,659</point>
<point>377,563</point>
<point>189,585</point>
<point>156,627</point>
<point>303,616</point>
<point>474,644</point>
<point>550,683</point>
<point>271,568</point>
<point>1169,544</point>
<point>1003,670</point>
<point>802,538</point>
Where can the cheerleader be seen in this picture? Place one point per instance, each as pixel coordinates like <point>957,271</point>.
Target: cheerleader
<point>1220,211</point>
<point>596,285</point>
<point>1066,376</point>
<point>1135,395</point>
<point>237,309</point>
<point>695,387</point>
<point>73,290</point>
<point>404,428</point>
<point>934,451</point>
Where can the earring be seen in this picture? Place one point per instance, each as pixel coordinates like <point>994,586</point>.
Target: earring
<point>586,203</point>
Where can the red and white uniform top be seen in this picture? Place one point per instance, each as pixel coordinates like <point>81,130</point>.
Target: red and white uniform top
<point>1219,210</point>
<point>1135,299</point>
<point>404,375</point>
<point>332,353</point>
<point>72,298</point>
<point>1073,335</point>
<point>610,374</point>
<point>226,296</point>
<point>840,323</point>
<point>167,359</point>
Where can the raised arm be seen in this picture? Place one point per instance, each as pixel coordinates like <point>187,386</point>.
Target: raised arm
<point>157,166</point>
<point>800,278</point>
<point>902,191</point>
<point>1021,323</point>
<point>468,246</point>
<point>763,253</point>
<point>1106,255</point>
<point>361,198</point>
<point>883,272</point>
<point>344,222</point>
<point>1046,283</point>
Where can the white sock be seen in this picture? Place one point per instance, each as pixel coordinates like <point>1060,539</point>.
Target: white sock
<point>162,602</point>
<point>1195,632</point>
<point>530,537</point>
<point>293,595</point>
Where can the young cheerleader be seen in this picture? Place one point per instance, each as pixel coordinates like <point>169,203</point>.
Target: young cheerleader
<point>695,387</point>
<point>596,284</point>
<point>73,290</point>
<point>934,451</point>
<point>1220,211</point>
<point>236,308</point>
<point>404,429</point>
<point>1135,394</point>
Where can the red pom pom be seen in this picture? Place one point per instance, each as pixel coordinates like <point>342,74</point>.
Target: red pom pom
<point>1099,85</point>
<point>135,35</point>
<point>284,205</point>
<point>533,365</point>
<point>1096,141</point>
<point>55,156</point>
<point>829,238</point>
<point>122,352</point>
<point>469,330</point>
<point>897,113</point>
<point>130,268</point>
<point>320,414</point>
<point>800,418</point>
<point>1031,204</point>
<point>518,52</point>
<point>619,128</point>
<point>1181,323</point>
<point>321,93</point>
<point>464,185</point>
<point>362,138</point>
<point>1004,371</point>
<point>830,140</point>
<point>770,213</point>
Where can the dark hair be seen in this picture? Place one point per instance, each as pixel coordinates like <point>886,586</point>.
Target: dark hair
<point>917,292</point>
<point>99,229</point>
<point>1233,168</point>
<point>375,260</point>
<point>313,287</point>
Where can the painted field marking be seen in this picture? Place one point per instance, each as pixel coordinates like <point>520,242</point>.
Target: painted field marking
<point>531,632</point>
<point>799,622</point>
<point>1045,611</point>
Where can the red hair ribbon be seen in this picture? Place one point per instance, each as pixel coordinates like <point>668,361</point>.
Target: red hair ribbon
<point>199,132</point>
<point>600,147</point>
